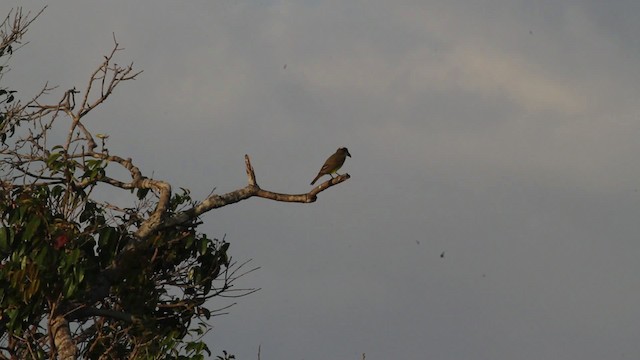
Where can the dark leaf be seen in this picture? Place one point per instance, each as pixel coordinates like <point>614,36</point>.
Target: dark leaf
<point>4,240</point>
<point>142,193</point>
<point>31,229</point>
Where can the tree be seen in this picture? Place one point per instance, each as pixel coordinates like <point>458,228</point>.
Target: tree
<point>84,277</point>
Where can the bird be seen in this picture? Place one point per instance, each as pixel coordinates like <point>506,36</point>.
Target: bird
<point>333,163</point>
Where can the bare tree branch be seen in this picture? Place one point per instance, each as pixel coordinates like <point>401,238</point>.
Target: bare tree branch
<point>217,201</point>
<point>92,311</point>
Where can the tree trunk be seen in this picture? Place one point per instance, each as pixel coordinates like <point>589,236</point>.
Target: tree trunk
<point>62,339</point>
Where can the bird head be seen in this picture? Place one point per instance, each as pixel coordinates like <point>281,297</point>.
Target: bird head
<point>345,151</point>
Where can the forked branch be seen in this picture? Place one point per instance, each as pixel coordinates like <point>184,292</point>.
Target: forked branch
<point>215,201</point>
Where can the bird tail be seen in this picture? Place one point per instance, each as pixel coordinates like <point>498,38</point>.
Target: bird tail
<point>316,179</point>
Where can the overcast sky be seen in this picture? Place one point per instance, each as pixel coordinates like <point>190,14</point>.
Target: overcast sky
<point>502,133</point>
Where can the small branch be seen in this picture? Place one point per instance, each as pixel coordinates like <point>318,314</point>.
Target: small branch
<point>309,197</point>
<point>90,311</point>
<point>250,173</point>
<point>15,28</point>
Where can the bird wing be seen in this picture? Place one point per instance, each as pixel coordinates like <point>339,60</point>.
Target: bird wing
<point>331,161</point>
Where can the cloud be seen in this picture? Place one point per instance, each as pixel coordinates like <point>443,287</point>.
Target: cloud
<point>494,73</point>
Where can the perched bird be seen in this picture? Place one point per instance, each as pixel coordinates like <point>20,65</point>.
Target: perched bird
<point>333,163</point>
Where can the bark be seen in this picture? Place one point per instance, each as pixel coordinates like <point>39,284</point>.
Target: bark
<point>62,339</point>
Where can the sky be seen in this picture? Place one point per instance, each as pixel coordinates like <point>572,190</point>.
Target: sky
<point>503,134</point>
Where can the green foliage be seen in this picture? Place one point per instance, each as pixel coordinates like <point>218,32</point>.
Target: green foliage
<point>26,259</point>
<point>164,285</point>
<point>34,270</point>
<point>64,253</point>
<point>37,271</point>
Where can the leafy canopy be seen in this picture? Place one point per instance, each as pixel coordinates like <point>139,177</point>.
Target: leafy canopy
<point>83,276</point>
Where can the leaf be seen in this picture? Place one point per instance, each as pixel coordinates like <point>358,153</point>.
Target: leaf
<point>88,212</point>
<point>142,193</point>
<point>215,272</point>
<point>16,278</point>
<point>79,274</point>
<point>206,313</point>
<point>225,259</point>
<point>105,236</point>
<point>14,323</point>
<point>56,191</point>
<point>41,256</point>
<point>73,257</point>
<point>31,229</point>
<point>70,290</point>
<point>60,241</point>
<point>34,286</point>
<point>189,241</point>
<point>204,246</point>
<point>4,240</point>
<point>53,163</point>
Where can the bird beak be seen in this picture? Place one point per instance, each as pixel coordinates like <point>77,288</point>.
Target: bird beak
<point>349,155</point>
